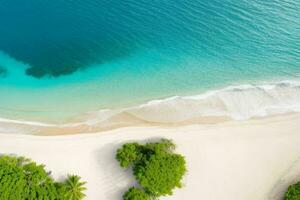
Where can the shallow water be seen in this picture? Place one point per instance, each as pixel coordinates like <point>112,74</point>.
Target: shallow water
<point>61,59</point>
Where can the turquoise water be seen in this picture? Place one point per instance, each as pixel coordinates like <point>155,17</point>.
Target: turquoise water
<point>62,58</point>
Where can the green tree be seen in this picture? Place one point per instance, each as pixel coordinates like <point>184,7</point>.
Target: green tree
<point>128,154</point>
<point>21,178</point>
<point>163,146</point>
<point>74,188</point>
<point>136,194</point>
<point>155,165</point>
<point>161,173</point>
<point>293,192</point>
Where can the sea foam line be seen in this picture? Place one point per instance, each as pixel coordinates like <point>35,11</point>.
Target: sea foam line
<point>236,102</point>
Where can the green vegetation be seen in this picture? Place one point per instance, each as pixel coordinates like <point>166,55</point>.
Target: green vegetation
<point>74,188</point>
<point>136,194</point>
<point>293,192</point>
<point>129,154</point>
<point>156,167</point>
<point>21,178</point>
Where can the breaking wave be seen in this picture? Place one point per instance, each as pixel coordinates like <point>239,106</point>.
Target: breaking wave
<point>235,102</point>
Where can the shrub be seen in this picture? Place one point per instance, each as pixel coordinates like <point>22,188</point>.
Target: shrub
<point>161,173</point>
<point>293,192</point>
<point>128,154</point>
<point>136,194</point>
<point>163,146</point>
<point>21,178</point>
<point>156,167</point>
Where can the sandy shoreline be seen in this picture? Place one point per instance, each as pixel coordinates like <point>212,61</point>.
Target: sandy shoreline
<point>216,106</point>
<point>249,160</point>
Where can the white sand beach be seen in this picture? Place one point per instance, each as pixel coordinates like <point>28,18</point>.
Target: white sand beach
<point>243,160</point>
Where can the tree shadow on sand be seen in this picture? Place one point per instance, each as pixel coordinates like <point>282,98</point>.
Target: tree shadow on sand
<point>116,180</point>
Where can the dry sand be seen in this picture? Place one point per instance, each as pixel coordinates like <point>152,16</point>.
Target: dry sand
<point>249,160</point>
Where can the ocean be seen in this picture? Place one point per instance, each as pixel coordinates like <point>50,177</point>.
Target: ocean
<point>94,62</point>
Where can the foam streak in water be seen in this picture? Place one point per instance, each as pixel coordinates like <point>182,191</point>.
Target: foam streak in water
<point>236,102</point>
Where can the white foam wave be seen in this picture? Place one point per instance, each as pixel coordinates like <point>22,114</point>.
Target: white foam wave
<point>236,102</point>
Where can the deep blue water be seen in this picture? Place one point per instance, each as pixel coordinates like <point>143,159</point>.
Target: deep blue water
<point>63,57</point>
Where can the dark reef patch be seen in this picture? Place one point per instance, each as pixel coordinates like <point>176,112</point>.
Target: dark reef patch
<point>3,72</point>
<point>39,72</point>
<point>54,59</point>
<point>55,39</point>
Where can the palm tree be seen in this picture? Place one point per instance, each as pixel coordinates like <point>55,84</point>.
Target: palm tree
<point>74,188</point>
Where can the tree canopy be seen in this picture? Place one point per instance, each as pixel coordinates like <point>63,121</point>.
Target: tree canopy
<point>21,178</point>
<point>136,194</point>
<point>293,192</point>
<point>128,154</point>
<point>156,167</point>
<point>161,174</point>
